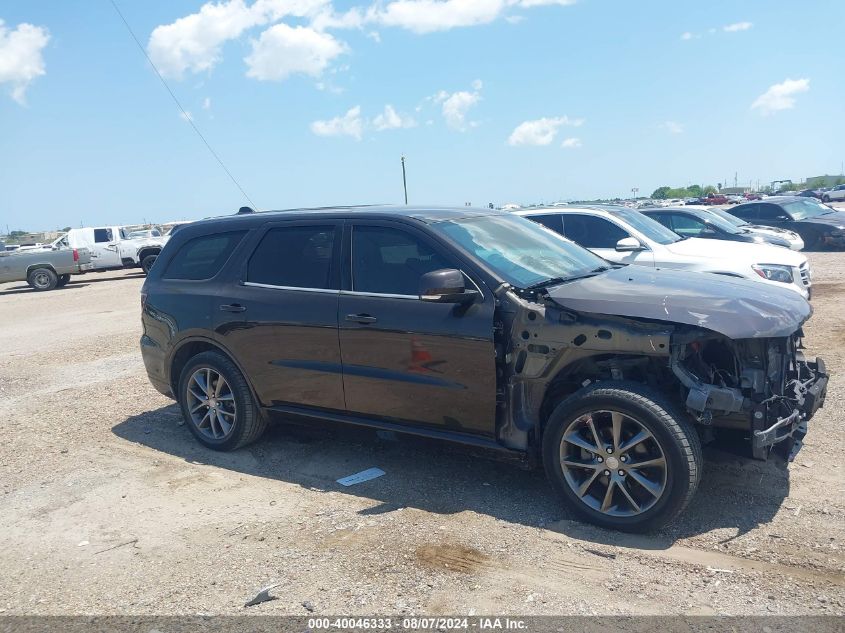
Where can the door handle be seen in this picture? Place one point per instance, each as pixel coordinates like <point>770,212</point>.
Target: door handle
<point>233,307</point>
<point>361,318</point>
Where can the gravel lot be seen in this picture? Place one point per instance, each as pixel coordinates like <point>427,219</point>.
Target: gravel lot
<point>109,506</point>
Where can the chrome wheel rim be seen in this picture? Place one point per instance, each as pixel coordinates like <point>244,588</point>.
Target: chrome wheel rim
<point>41,280</point>
<point>211,404</point>
<point>613,463</point>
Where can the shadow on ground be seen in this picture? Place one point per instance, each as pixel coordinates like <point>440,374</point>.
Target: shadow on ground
<point>16,290</point>
<point>444,478</point>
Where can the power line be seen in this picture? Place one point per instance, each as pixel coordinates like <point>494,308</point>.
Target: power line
<point>185,114</point>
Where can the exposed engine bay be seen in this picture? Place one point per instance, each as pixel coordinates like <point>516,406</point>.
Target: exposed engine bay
<point>760,385</point>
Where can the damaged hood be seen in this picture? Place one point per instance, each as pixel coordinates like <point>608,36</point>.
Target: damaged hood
<point>734,307</point>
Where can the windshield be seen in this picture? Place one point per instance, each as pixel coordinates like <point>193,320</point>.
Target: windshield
<point>719,222</point>
<point>521,252</point>
<point>803,209</point>
<point>651,229</point>
<point>727,217</point>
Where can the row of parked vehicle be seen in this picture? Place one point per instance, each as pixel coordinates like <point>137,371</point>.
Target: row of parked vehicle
<point>80,251</point>
<point>557,336</point>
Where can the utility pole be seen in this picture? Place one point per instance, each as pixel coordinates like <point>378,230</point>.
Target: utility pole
<point>404,179</point>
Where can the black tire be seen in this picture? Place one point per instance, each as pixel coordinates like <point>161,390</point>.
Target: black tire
<point>147,263</point>
<point>42,279</point>
<point>249,422</point>
<point>62,281</point>
<point>812,241</point>
<point>672,432</point>
<point>825,198</point>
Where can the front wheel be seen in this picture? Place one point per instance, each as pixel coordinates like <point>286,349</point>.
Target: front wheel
<point>620,456</point>
<point>825,198</point>
<point>217,403</point>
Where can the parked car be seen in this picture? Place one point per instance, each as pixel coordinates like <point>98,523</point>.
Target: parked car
<point>112,247</point>
<point>714,198</point>
<point>735,199</point>
<point>810,193</point>
<point>753,196</point>
<point>818,225</point>
<point>483,328</point>
<point>793,239</point>
<point>835,194</point>
<point>703,223</point>
<point>41,269</point>
<point>625,236</point>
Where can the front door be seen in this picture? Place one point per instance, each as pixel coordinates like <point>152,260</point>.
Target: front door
<point>408,360</point>
<point>279,315</point>
<point>601,236</point>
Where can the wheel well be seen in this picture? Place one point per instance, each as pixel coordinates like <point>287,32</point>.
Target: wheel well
<point>185,354</point>
<point>150,250</point>
<point>646,370</point>
<point>29,269</point>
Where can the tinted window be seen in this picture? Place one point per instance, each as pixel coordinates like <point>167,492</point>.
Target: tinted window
<point>687,226</point>
<point>553,222</point>
<point>294,256</point>
<point>664,218</point>
<point>651,229</point>
<point>390,261</point>
<point>746,211</point>
<point>771,212</point>
<point>203,257</point>
<point>591,231</point>
<point>102,235</point>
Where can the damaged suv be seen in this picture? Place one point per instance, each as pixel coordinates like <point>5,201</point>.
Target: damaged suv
<point>483,328</point>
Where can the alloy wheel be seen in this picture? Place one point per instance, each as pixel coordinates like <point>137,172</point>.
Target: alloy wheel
<point>211,404</point>
<point>613,463</point>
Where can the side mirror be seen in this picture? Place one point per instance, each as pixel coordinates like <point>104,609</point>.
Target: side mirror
<point>445,286</point>
<point>629,244</point>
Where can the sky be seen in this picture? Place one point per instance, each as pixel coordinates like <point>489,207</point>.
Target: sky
<point>312,103</point>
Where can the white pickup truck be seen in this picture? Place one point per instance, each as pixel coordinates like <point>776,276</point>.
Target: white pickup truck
<point>112,247</point>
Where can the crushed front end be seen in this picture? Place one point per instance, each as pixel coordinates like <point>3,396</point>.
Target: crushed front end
<point>764,386</point>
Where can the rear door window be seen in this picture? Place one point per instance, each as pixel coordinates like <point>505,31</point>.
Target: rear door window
<point>203,257</point>
<point>772,212</point>
<point>591,231</point>
<point>747,212</point>
<point>295,257</point>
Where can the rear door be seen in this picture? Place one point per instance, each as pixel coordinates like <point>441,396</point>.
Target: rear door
<point>601,236</point>
<point>105,252</point>
<point>407,360</point>
<point>773,215</point>
<point>278,316</point>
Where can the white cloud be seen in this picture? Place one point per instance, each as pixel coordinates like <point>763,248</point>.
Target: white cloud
<point>571,142</point>
<point>427,16</point>
<point>392,120</point>
<point>455,106</point>
<point>282,50</point>
<point>186,116</point>
<point>780,96</point>
<point>540,131</point>
<point>193,43</point>
<point>21,58</point>
<point>375,36</point>
<point>350,124</point>
<point>737,26</point>
<point>687,36</point>
<point>206,103</point>
<point>515,19</point>
<point>673,127</point>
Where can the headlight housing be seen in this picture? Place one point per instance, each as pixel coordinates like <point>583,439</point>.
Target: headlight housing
<point>774,272</point>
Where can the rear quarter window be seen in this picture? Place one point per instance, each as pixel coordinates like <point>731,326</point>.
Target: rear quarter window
<point>203,257</point>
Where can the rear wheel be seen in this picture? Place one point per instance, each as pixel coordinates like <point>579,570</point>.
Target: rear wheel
<point>63,280</point>
<point>147,263</point>
<point>217,403</point>
<point>42,279</point>
<point>620,456</point>
<point>825,198</point>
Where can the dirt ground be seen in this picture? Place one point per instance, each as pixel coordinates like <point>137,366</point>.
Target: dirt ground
<point>109,506</point>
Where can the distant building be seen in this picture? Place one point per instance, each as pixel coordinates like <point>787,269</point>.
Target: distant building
<point>730,191</point>
<point>826,181</point>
